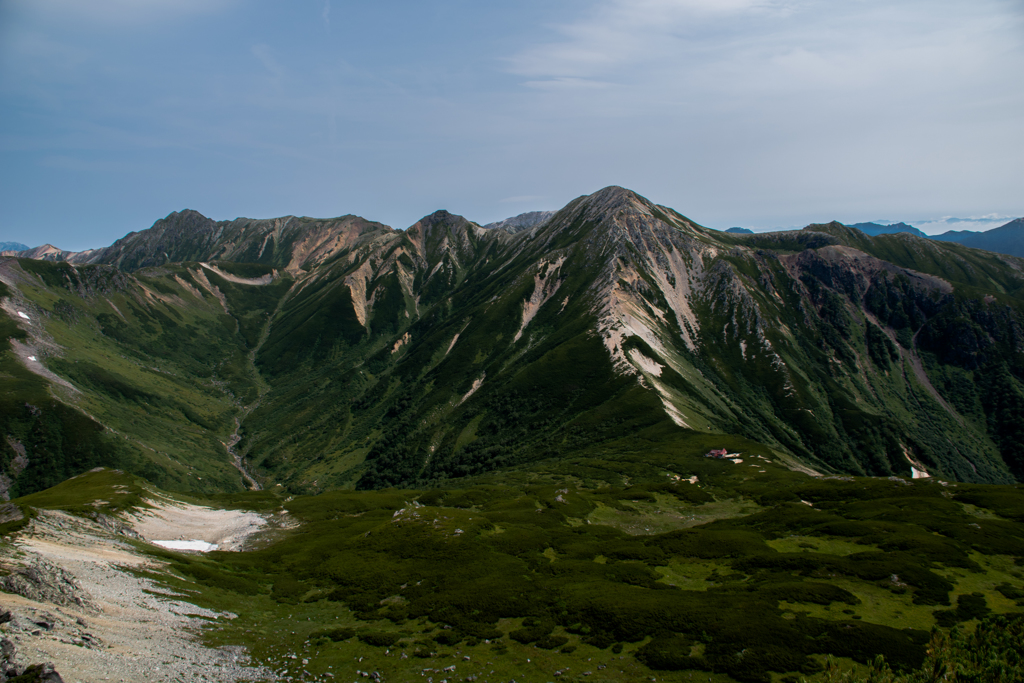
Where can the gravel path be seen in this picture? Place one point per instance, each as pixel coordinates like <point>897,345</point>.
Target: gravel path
<point>139,632</point>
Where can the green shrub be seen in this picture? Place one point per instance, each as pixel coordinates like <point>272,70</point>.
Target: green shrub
<point>288,590</point>
<point>532,630</point>
<point>379,638</point>
<point>336,635</point>
<point>551,642</point>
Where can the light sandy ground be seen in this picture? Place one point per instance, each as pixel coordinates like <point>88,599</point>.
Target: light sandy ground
<point>174,521</point>
<point>139,633</point>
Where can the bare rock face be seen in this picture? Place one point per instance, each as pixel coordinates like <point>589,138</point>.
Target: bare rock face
<point>9,512</point>
<point>11,671</point>
<point>38,673</point>
<point>45,582</point>
<point>524,221</point>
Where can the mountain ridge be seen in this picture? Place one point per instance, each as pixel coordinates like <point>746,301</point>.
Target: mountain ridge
<point>353,354</point>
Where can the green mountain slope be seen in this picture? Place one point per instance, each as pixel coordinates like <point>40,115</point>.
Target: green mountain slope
<point>343,353</point>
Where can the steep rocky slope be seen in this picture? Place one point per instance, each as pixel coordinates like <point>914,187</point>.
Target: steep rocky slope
<point>340,352</point>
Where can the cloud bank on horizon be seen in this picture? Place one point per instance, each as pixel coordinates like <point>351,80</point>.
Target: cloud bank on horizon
<point>736,112</point>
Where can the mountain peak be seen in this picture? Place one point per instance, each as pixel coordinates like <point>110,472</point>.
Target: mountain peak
<point>440,220</point>
<point>609,203</point>
<point>189,220</point>
<point>615,197</point>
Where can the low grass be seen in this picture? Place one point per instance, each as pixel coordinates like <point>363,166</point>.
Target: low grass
<point>101,490</point>
<point>818,544</point>
<point>666,513</point>
<point>412,582</point>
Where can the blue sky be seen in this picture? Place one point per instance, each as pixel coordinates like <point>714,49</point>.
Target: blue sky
<point>735,112</point>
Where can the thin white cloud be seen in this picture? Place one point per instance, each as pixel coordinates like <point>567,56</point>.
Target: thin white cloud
<point>326,13</point>
<point>751,48</point>
<point>620,33</point>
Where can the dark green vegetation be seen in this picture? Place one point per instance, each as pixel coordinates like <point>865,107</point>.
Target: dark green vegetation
<point>991,654</point>
<point>153,385</point>
<point>344,354</point>
<point>614,558</point>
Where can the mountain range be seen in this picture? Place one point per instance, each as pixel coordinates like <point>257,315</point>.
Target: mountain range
<point>1007,239</point>
<point>315,354</point>
<point>875,229</point>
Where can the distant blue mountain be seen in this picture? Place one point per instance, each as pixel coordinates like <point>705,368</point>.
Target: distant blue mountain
<point>13,246</point>
<point>875,229</point>
<point>742,231</point>
<point>1006,239</point>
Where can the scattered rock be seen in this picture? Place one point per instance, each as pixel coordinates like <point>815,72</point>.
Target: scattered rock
<point>45,582</point>
<point>11,671</point>
<point>115,525</point>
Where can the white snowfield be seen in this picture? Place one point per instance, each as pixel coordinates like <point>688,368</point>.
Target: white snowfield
<point>201,546</point>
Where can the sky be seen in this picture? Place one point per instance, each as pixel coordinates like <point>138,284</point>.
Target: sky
<point>754,113</point>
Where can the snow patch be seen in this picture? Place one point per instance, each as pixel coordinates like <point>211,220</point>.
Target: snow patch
<point>201,546</point>
<point>32,358</point>
<point>24,315</point>
<point>917,470</point>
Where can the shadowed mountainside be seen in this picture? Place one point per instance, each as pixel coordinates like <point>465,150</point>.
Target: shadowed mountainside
<point>340,352</point>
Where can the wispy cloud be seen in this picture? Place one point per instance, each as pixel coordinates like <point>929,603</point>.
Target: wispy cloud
<point>621,33</point>
<point>754,47</point>
<point>326,13</point>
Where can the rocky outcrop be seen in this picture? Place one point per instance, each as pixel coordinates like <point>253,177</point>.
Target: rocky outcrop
<point>45,582</point>
<point>10,670</point>
<point>524,221</point>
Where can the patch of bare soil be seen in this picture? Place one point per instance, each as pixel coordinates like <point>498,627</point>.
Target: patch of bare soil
<point>174,521</point>
<point>80,608</point>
